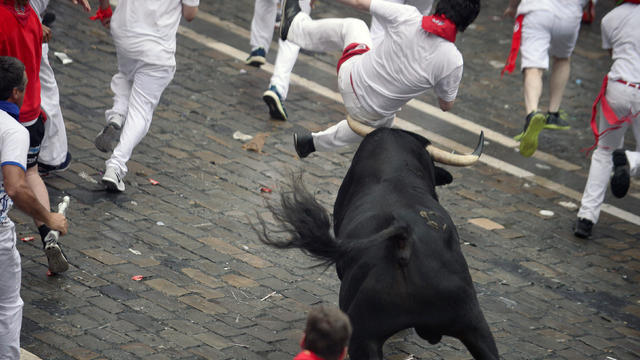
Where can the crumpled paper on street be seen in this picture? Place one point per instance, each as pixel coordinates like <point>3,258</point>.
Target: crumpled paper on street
<point>257,143</point>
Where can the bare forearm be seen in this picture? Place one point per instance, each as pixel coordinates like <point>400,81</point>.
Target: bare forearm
<point>25,200</point>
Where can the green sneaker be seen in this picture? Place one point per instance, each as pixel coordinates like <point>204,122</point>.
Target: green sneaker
<point>557,121</point>
<point>534,124</point>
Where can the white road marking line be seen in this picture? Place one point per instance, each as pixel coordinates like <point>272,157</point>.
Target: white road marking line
<point>486,159</point>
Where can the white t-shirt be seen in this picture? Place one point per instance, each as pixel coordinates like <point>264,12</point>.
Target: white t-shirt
<point>146,29</point>
<point>621,33</point>
<point>377,30</point>
<point>560,8</point>
<point>408,62</point>
<point>14,145</point>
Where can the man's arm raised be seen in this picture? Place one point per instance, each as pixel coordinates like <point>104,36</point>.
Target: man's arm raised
<point>16,186</point>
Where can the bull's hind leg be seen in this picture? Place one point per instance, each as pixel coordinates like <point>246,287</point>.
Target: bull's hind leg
<point>361,349</point>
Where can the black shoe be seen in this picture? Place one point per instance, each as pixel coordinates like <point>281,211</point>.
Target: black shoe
<point>557,121</point>
<point>290,9</point>
<point>303,144</point>
<point>45,169</point>
<point>582,228</point>
<point>621,173</point>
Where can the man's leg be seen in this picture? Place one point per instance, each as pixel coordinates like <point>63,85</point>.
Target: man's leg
<point>10,301</point>
<point>532,86</point>
<point>121,84</point>
<point>148,84</point>
<point>53,151</point>
<point>327,34</point>
<point>558,81</point>
<point>262,25</point>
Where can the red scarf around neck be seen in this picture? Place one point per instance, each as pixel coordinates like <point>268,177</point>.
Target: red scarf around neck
<point>21,13</point>
<point>628,1</point>
<point>439,25</point>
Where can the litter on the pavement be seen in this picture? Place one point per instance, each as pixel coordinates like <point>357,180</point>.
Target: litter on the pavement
<point>568,205</point>
<point>153,182</point>
<point>257,143</point>
<point>27,238</point>
<point>242,136</point>
<point>547,213</point>
<point>136,252</point>
<point>265,189</point>
<point>64,58</point>
<point>160,223</point>
<point>137,277</point>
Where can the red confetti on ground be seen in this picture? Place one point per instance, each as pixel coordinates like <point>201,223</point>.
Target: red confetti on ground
<point>265,190</point>
<point>49,273</point>
<point>137,277</point>
<point>27,238</point>
<point>153,182</point>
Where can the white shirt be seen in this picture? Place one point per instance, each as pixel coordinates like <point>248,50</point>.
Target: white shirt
<point>146,29</point>
<point>621,33</point>
<point>408,62</point>
<point>14,145</point>
<point>377,30</point>
<point>39,6</point>
<point>560,8</point>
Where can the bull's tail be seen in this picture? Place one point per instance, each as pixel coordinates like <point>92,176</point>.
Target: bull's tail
<point>306,221</point>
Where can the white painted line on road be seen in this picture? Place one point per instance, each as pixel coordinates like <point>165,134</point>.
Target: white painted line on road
<point>486,159</point>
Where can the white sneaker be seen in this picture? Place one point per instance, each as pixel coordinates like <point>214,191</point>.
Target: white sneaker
<point>112,180</point>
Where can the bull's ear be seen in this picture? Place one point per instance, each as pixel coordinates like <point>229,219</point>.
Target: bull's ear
<point>443,177</point>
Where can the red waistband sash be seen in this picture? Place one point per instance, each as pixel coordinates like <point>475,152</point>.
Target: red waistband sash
<point>628,1</point>
<point>102,14</point>
<point>350,51</point>
<point>589,13</point>
<point>608,113</point>
<point>441,26</point>
<point>515,46</point>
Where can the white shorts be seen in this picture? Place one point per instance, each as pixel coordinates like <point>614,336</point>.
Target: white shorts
<point>10,301</point>
<point>545,34</point>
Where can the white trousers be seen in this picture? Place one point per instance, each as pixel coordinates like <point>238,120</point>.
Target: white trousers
<point>138,87</point>
<point>624,101</point>
<point>262,25</point>
<point>331,35</point>
<point>377,30</point>
<point>10,301</point>
<point>53,150</point>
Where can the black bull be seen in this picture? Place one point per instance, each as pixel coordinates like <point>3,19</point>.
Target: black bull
<point>396,249</point>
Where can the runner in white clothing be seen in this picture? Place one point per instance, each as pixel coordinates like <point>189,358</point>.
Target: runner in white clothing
<point>417,53</point>
<point>619,101</point>
<point>544,27</point>
<point>264,19</point>
<point>14,145</point>
<point>144,32</point>
<point>54,155</point>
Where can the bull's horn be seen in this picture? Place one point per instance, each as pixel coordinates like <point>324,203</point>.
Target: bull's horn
<point>448,158</point>
<point>358,127</point>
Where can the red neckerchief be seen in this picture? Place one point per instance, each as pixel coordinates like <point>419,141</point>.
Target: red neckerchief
<point>351,50</point>
<point>608,113</point>
<point>515,46</point>
<point>22,14</point>
<point>439,25</point>
<point>628,1</point>
<point>102,14</point>
<point>307,355</point>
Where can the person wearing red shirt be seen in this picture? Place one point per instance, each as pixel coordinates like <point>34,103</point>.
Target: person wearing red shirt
<point>326,335</point>
<point>21,37</point>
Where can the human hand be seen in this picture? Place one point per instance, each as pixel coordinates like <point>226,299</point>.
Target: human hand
<point>58,222</point>
<point>46,34</point>
<point>83,3</point>
<point>510,11</point>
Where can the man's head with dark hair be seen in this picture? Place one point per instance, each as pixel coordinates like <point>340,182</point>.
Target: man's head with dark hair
<point>327,332</point>
<point>13,79</point>
<point>461,12</point>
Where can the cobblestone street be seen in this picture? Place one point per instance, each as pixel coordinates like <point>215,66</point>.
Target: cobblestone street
<point>211,290</point>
